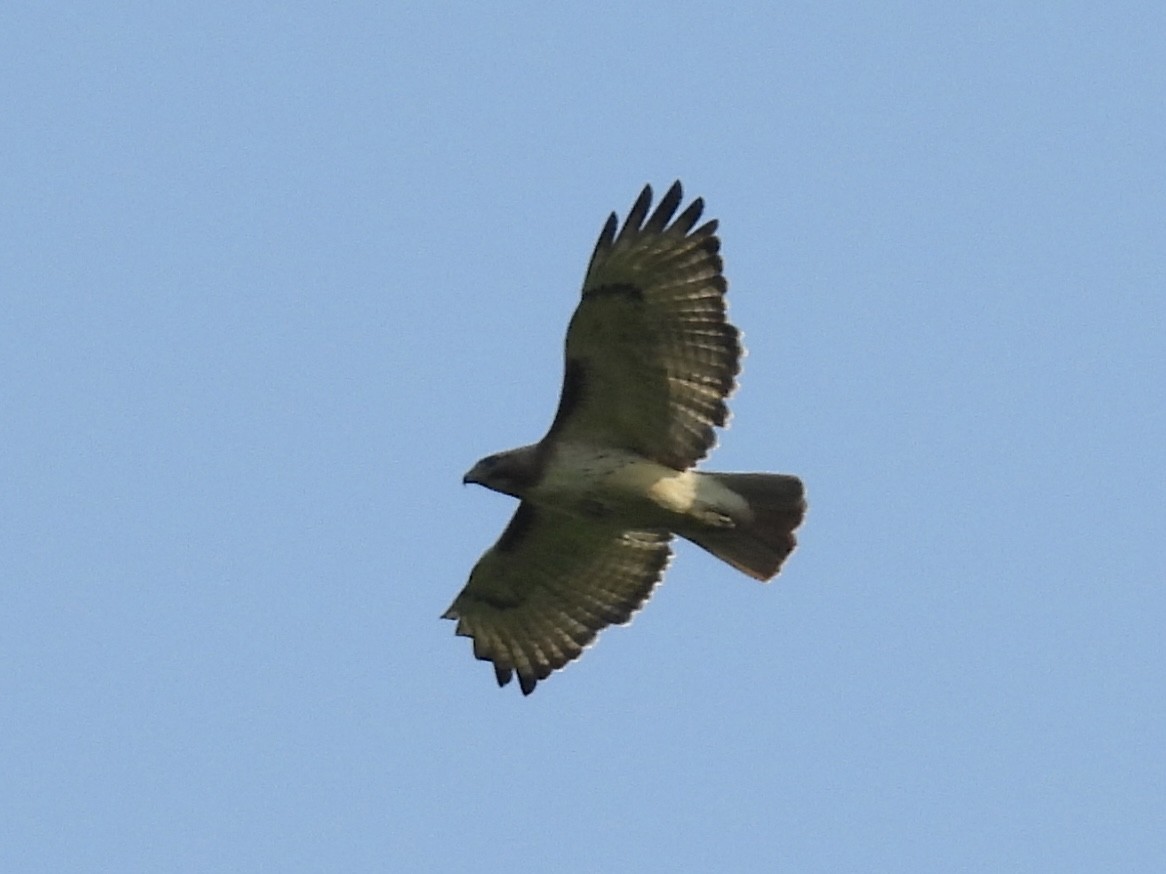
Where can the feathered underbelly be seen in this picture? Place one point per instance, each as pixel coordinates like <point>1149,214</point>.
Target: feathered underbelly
<point>628,489</point>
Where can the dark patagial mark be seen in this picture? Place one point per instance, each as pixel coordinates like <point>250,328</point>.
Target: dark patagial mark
<point>574,380</point>
<point>517,530</point>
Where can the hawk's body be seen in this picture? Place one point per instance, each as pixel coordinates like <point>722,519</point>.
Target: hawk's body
<point>650,359</point>
<point>624,488</point>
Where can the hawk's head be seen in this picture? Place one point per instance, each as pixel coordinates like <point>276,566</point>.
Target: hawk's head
<point>510,473</point>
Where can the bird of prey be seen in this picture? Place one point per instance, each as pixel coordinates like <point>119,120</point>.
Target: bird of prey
<point>650,360</point>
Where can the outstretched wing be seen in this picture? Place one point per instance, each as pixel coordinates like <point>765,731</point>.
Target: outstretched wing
<point>650,355</point>
<point>549,585</point>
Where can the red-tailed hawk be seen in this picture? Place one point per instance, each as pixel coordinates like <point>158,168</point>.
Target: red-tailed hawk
<point>650,360</point>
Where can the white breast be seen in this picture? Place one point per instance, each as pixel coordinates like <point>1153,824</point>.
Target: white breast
<point>626,486</point>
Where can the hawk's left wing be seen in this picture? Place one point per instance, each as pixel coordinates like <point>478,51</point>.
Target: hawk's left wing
<point>651,356</point>
<point>549,585</point>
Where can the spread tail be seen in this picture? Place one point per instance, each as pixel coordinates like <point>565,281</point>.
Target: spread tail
<point>759,545</point>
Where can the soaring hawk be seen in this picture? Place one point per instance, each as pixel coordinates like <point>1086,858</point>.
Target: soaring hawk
<point>650,360</point>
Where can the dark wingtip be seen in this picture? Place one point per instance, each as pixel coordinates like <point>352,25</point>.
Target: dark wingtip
<point>691,215</point>
<point>666,208</point>
<point>635,219</point>
<point>606,236</point>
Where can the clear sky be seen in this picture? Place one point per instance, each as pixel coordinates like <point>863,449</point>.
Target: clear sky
<point>273,276</point>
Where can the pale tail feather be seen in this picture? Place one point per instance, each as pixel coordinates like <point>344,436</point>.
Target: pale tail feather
<point>757,547</point>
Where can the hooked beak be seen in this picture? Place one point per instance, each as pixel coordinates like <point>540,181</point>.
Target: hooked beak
<point>472,476</point>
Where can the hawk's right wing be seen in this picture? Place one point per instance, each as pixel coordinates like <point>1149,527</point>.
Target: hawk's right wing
<point>549,585</point>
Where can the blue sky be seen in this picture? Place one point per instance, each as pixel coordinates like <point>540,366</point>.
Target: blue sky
<point>272,277</point>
